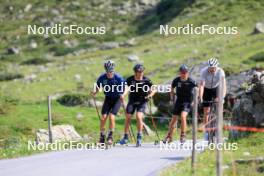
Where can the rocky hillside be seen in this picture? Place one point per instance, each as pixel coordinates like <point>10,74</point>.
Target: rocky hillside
<point>34,66</point>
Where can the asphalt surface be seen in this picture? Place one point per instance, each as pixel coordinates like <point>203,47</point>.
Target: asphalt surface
<point>147,160</point>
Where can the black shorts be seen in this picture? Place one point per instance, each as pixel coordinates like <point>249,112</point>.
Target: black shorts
<point>111,105</point>
<point>181,106</point>
<point>209,95</point>
<point>139,106</point>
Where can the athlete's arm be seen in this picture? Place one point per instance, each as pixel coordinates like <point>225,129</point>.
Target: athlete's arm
<point>152,93</point>
<point>122,96</point>
<point>96,86</point>
<point>201,89</point>
<point>225,90</point>
<point>93,93</point>
<point>172,94</point>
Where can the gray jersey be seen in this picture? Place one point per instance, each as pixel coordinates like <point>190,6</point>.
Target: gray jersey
<point>212,80</point>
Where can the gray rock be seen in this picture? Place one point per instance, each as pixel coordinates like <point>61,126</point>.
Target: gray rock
<point>13,50</point>
<point>133,58</point>
<point>28,8</point>
<point>259,28</point>
<point>87,138</point>
<point>30,78</point>
<point>33,44</point>
<point>79,116</point>
<point>129,43</point>
<point>70,43</point>
<point>109,45</point>
<point>78,77</point>
<point>161,101</point>
<point>147,2</point>
<point>59,133</point>
<point>258,113</point>
<point>249,109</point>
<point>122,12</point>
<point>99,104</point>
<point>117,32</point>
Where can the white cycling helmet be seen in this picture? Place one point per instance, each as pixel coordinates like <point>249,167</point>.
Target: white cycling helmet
<point>109,66</point>
<point>213,62</point>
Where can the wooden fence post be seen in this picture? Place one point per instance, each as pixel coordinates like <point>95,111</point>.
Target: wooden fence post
<point>49,119</point>
<point>219,154</point>
<point>194,129</point>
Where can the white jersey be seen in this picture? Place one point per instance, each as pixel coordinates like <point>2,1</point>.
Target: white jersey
<point>212,80</point>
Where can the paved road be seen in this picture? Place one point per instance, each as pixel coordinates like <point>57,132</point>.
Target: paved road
<point>147,160</point>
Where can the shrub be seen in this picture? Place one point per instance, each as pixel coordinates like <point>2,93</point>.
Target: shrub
<point>259,57</point>
<point>35,61</point>
<point>7,104</point>
<point>60,50</point>
<point>5,76</point>
<point>73,99</point>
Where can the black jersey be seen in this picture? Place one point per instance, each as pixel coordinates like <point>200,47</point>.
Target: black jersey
<point>184,89</point>
<point>139,89</point>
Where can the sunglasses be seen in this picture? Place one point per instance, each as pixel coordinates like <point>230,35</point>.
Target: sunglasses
<point>139,71</point>
<point>183,72</point>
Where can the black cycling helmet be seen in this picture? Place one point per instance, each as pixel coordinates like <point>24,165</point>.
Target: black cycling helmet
<point>139,68</point>
<point>183,68</point>
<point>109,66</point>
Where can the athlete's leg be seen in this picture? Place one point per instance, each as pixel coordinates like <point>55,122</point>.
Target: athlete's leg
<point>172,125</point>
<point>206,116</point>
<point>111,122</point>
<point>102,123</point>
<point>183,122</point>
<point>139,117</point>
<point>127,123</point>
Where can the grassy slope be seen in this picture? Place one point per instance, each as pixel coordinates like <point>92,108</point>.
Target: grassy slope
<point>30,113</point>
<point>248,148</point>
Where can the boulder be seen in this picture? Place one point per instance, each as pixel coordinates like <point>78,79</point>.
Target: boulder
<point>33,44</point>
<point>59,133</point>
<point>133,58</point>
<point>162,102</point>
<point>249,109</point>
<point>99,104</point>
<point>28,8</point>
<point>13,50</point>
<point>79,116</point>
<point>109,45</point>
<point>259,28</point>
<point>147,2</point>
<point>78,77</point>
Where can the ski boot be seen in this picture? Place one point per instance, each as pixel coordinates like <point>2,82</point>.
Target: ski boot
<point>167,139</point>
<point>139,140</point>
<point>182,138</point>
<point>124,141</point>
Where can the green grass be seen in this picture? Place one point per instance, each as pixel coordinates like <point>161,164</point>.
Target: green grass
<point>159,54</point>
<point>252,145</point>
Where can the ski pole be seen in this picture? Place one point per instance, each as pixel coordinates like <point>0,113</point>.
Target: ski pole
<point>153,122</point>
<point>96,108</point>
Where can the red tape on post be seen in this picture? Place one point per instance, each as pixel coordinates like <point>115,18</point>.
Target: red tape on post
<point>238,128</point>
